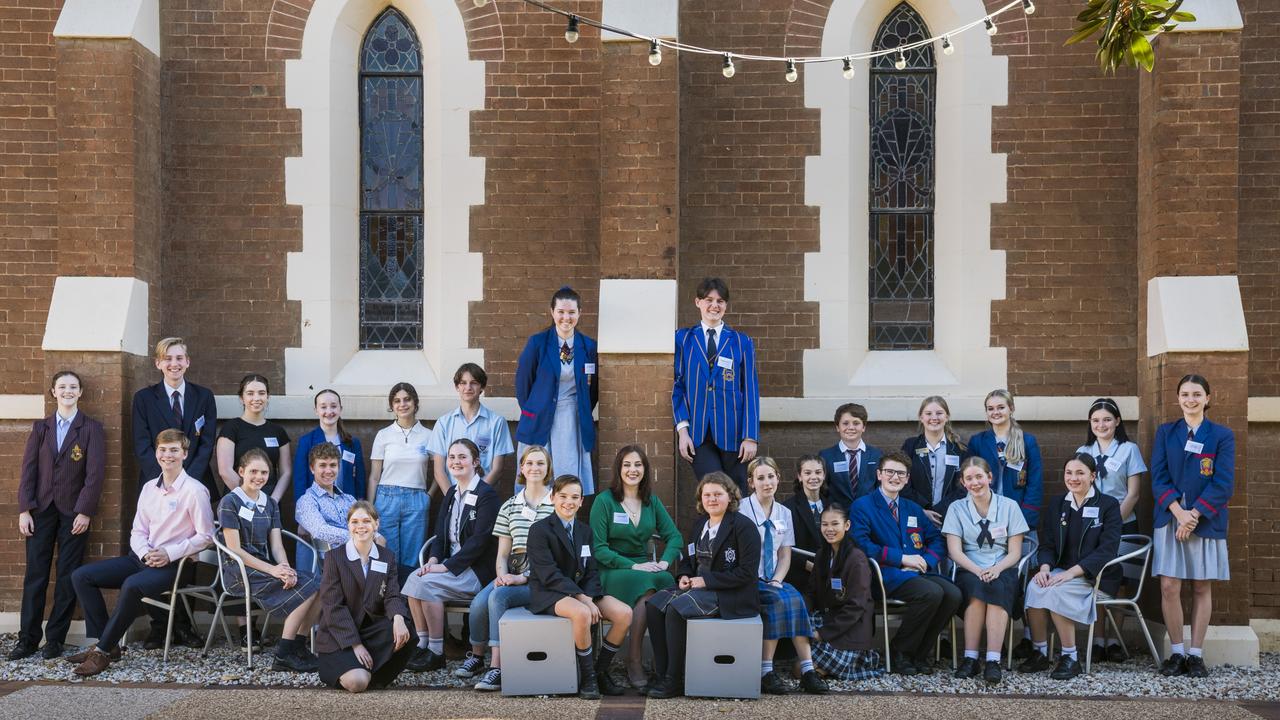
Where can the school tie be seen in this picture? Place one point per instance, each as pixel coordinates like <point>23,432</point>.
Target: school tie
<point>768,550</point>
<point>1000,445</point>
<point>177,409</point>
<point>566,353</point>
<point>893,508</point>
<point>984,534</point>
<point>712,350</point>
<point>568,529</point>
<point>1102,466</point>
<point>816,509</point>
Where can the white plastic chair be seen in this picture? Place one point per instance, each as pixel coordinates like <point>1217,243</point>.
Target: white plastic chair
<point>208,556</point>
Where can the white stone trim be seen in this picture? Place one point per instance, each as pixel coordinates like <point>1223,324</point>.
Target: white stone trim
<point>325,182</point>
<point>110,19</point>
<point>1211,15</point>
<point>970,179</point>
<point>655,18</point>
<point>1195,314</point>
<point>21,407</point>
<point>637,316</point>
<point>1264,409</point>
<point>106,314</point>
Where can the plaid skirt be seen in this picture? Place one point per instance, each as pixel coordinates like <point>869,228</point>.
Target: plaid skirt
<point>269,591</point>
<point>783,612</point>
<point>843,664</point>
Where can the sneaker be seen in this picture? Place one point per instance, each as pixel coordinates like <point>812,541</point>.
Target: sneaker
<point>1196,668</point>
<point>991,672</point>
<point>813,683</point>
<point>1174,665</point>
<point>903,666</point>
<point>1099,653</point>
<point>490,681</point>
<point>1034,664</point>
<point>1067,668</point>
<point>472,666</point>
<point>968,668</point>
<point>771,684</point>
<point>1023,650</point>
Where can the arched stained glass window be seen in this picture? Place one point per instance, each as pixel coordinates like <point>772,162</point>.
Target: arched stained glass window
<point>391,185</point>
<point>902,187</point>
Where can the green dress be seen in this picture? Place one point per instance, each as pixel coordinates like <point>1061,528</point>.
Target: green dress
<point>619,544</point>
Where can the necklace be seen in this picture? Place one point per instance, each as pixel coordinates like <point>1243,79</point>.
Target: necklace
<point>406,432</point>
<point>632,515</point>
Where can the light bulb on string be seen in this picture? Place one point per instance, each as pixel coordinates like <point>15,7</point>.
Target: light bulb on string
<point>655,53</point>
<point>792,74</point>
<point>848,68</point>
<point>991,26</point>
<point>901,62</point>
<point>947,47</point>
<point>728,70</point>
<point>1028,7</point>
<point>571,32</point>
<point>479,3</point>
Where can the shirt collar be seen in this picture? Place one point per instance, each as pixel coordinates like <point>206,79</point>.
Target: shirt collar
<point>177,484</point>
<point>261,502</point>
<point>862,447</point>
<point>168,391</point>
<point>886,498</point>
<point>353,554</point>
<point>942,445</point>
<point>1072,498</point>
<point>318,491</point>
<point>757,512</point>
<point>66,421</point>
<point>719,330</point>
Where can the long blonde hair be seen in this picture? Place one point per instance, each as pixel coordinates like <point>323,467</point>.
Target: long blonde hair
<point>948,431</point>
<point>1015,451</point>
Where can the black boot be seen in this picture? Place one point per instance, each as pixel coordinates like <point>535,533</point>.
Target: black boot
<point>587,687</point>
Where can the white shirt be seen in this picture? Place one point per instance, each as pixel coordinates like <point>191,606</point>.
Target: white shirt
<point>784,530</point>
<point>182,394</point>
<point>405,456</point>
<point>354,554</point>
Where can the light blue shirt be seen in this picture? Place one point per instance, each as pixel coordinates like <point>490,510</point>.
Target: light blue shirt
<point>1004,518</point>
<point>324,515</point>
<point>1123,460</point>
<point>64,426</point>
<point>488,430</point>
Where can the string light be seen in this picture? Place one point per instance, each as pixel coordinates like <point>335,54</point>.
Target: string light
<point>947,47</point>
<point>479,3</point>
<point>848,68</point>
<point>728,69</point>
<point>1028,7</point>
<point>901,62</point>
<point>655,53</point>
<point>792,75</point>
<point>571,32</point>
<point>991,25</point>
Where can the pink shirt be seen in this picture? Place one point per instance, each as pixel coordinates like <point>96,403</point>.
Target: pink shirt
<point>178,520</point>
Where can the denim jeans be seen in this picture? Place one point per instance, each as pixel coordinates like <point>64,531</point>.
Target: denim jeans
<point>403,513</point>
<point>488,606</point>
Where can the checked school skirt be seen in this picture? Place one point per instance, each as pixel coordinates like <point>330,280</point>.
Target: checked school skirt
<point>783,612</point>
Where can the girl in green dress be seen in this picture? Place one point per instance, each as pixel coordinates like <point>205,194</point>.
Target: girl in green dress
<point>622,521</point>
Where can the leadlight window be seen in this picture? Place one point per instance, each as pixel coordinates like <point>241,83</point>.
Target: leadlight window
<point>391,225</point>
<point>902,187</point>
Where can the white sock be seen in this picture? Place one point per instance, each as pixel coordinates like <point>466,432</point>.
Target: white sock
<point>766,667</point>
<point>993,656</point>
<point>422,639</point>
<point>1041,647</point>
<point>436,645</point>
<point>1026,632</point>
<point>1112,642</point>
<point>971,654</point>
<point>1196,652</point>
<point>806,666</point>
<point>1177,649</point>
<point>1069,652</point>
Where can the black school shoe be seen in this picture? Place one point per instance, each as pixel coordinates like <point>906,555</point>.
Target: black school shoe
<point>23,650</point>
<point>588,689</point>
<point>52,649</point>
<point>1174,665</point>
<point>991,672</point>
<point>423,660</point>
<point>1067,668</point>
<point>1023,650</point>
<point>968,668</point>
<point>606,683</point>
<point>771,684</point>
<point>1116,654</point>
<point>1196,668</point>
<point>813,683</point>
<point>664,688</point>
<point>1034,664</point>
<point>902,665</point>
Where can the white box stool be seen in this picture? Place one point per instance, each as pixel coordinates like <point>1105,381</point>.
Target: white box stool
<point>537,654</point>
<point>721,659</point>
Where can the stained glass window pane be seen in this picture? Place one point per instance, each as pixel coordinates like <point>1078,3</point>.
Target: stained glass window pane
<point>391,222</point>
<point>902,188</point>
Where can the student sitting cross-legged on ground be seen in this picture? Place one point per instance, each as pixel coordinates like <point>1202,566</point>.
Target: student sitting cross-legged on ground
<point>564,581</point>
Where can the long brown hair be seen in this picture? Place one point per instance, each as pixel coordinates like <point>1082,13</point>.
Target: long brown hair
<point>646,480</point>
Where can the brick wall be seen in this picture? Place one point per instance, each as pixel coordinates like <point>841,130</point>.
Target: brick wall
<point>1264,519</point>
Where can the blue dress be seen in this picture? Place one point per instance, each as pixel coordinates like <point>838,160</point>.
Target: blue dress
<point>567,454</point>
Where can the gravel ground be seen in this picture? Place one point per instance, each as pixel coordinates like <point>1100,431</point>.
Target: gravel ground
<point>1134,679</point>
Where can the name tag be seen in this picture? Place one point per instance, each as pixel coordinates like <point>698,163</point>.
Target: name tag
<point>620,518</point>
<point>1011,466</point>
<point>779,528</point>
<point>199,423</point>
<point>837,584</point>
<point>953,460</point>
<point>841,466</point>
<point>1090,512</point>
<point>1194,447</point>
<point>589,368</point>
<point>725,362</point>
<point>691,550</point>
<point>173,504</point>
<point>528,513</point>
<point>271,442</point>
<point>246,512</point>
<point>378,566</point>
<point>1113,464</point>
<point>912,522</point>
<point>999,531</point>
<point>348,456</point>
<point>469,499</point>
<point>586,551</point>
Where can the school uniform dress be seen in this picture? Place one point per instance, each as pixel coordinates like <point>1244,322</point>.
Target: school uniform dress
<point>514,519</point>
<point>557,387</point>
<point>193,411</point>
<point>851,472</point>
<point>254,519</point>
<point>268,436</point>
<point>985,541</point>
<point>63,466</point>
<point>716,394</point>
<point>323,515</point>
<point>726,557</point>
<point>886,533</point>
<point>806,517</point>
<point>782,608</point>
<point>1087,535</point>
<point>358,602</point>
<point>1116,464</point>
<point>934,473</point>
<point>401,497</point>
<point>621,543</point>
<point>352,477</point>
<point>464,544</point>
<point>1021,482</point>
<point>561,564</point>
<point>844,614</point>
<point>1196,470</point>
<point>488,430</point>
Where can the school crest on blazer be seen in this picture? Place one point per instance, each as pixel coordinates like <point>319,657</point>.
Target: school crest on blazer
<point>1206,466</point>
<point>730,555</point>
<point>917,540</point>
<point>76,453</point>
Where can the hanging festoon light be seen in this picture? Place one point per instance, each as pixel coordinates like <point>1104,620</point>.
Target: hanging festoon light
<point>947,47</point>
<point>1028,7</point>
<point>991,25</point>
<point>655,53</point>
<point>848,68</point>
<point>792,73</point>
<point>901,62</point>
<point>479,3</point>
<point>727,69</point>
<point>571,32</point>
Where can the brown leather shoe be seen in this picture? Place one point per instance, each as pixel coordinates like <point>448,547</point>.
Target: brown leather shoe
<point>94,664</point>
<point>83,655</point>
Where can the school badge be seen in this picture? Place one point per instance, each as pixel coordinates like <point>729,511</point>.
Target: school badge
<point>1206,467</point>
<point>76,453</point>
<point>922,452</point>
<point>917,541</point>
<point>382,589</point>
<point>730,555</point>
<point>728,375</point>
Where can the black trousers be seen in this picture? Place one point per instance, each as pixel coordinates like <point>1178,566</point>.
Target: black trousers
<point>53,528</point>
<point>135,580</point>
<point>668,632</point>
<point>709,458</point>
<point>931,601</point>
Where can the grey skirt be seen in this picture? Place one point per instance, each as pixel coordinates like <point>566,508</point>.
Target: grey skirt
<point>1197,558</point>
<point>1072,599</point>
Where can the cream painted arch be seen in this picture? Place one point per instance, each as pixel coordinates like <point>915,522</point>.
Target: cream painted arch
<point>970,178</point>
<point>325,182</point>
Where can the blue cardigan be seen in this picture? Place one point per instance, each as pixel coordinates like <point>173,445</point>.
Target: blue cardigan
<point>538,384</point>
<point>1201,480</point>
<point>351,478</point>
<point>1030,495</point>
<point>886,541</point>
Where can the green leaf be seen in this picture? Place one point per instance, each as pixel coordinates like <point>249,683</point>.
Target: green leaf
<point>1142,52</point>
<point>1085,31</point>
<point>1183,16</point>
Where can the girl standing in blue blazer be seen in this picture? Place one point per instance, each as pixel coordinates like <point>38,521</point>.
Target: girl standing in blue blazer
<point>351,475</point>
<point>557,388</point>
<point>1014,459</point>
<point>1192,477</point>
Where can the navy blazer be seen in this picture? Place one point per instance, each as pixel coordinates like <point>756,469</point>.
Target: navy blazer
<point>1098,544</point>
<point>349,600</point>
<point>538,385</point>
<point>886,541</point>
<point>478,547</point>
<point>70,479</point>
<point>153,412</point>
<point>839,486</point>
<point>1024,486</point>
<point>1202,480</point>
<point>808,537</point>
<point>708,394</point>
<point>557,567</point>
<point>735,560</point>
<point>920,487</point>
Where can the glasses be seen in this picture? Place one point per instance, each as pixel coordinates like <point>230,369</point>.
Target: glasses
<point>893,473</point>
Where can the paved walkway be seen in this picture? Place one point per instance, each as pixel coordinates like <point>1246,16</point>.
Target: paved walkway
<point>114,702</point>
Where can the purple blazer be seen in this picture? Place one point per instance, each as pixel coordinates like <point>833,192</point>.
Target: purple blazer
<point>71,478</point>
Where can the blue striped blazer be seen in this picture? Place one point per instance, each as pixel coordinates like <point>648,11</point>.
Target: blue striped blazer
<point>724,395</point>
